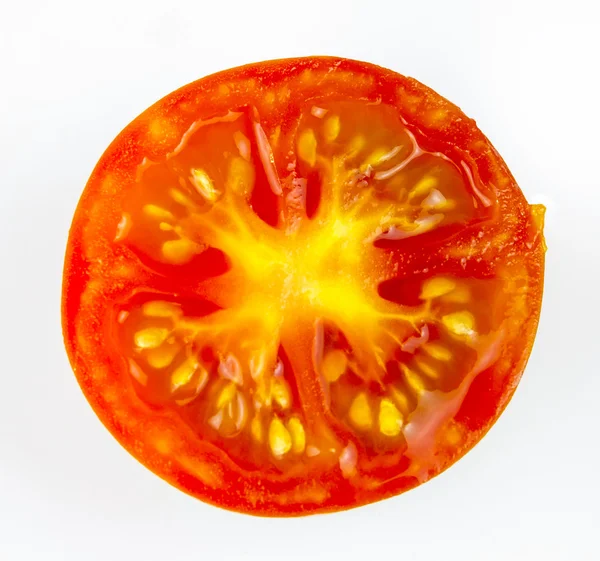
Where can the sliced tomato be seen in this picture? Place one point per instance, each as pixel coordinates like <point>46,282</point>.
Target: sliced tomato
<point>301,286</point>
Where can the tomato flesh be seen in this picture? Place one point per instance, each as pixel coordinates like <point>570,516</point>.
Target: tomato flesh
<point>301,286</point>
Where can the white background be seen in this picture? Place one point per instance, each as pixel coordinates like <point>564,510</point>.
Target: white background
<point>73,73</point>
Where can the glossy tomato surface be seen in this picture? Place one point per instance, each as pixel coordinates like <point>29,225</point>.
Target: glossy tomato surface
<point>301,286</point>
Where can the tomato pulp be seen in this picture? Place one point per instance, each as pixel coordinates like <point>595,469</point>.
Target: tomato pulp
<point>301,286</point>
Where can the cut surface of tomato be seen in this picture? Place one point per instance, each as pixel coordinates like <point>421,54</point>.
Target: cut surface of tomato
<point>301,286</point>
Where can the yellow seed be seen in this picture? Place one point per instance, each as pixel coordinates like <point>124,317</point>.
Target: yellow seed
<point>296,430</point>
<point>400,398</point>
<point>459,323</point>
<point>356,145</point>
<point>331,128</point>
<point>461,295</point>
<point>226,396</point>
<point>137,373</point>
<point>280,392</point>
<point>334,365</point>
<point>243,144</point>
<point>183,374</point>
<point>423,186</point>
<point>161,357</point>
<point>151,337</point>
<point>160,309</point>
<point>180,198</point>
<point>436,200</point>
<point>360,412</point>
<point>256,429</point>
<point>312,451</point>
<point>231,369</point>
<point>390,419</point>
<point>413,380</point>
<point>179,251</point>
<point>240,178</point>
<point>376,156</point>
<point>436,287</point>
<point>204,185</point>
<point>437,351</point>
<point>280,439</point>
<point>123,227</point>
<point>427,369</point>
<point>318,112</point>
<point>307,147</point>
<point>242,411</point>
<point>155,211</point>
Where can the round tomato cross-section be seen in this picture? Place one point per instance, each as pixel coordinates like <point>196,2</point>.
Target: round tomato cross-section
<point>301,286</point>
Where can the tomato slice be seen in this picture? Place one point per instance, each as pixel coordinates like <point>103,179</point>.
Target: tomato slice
<point>301,286</point>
